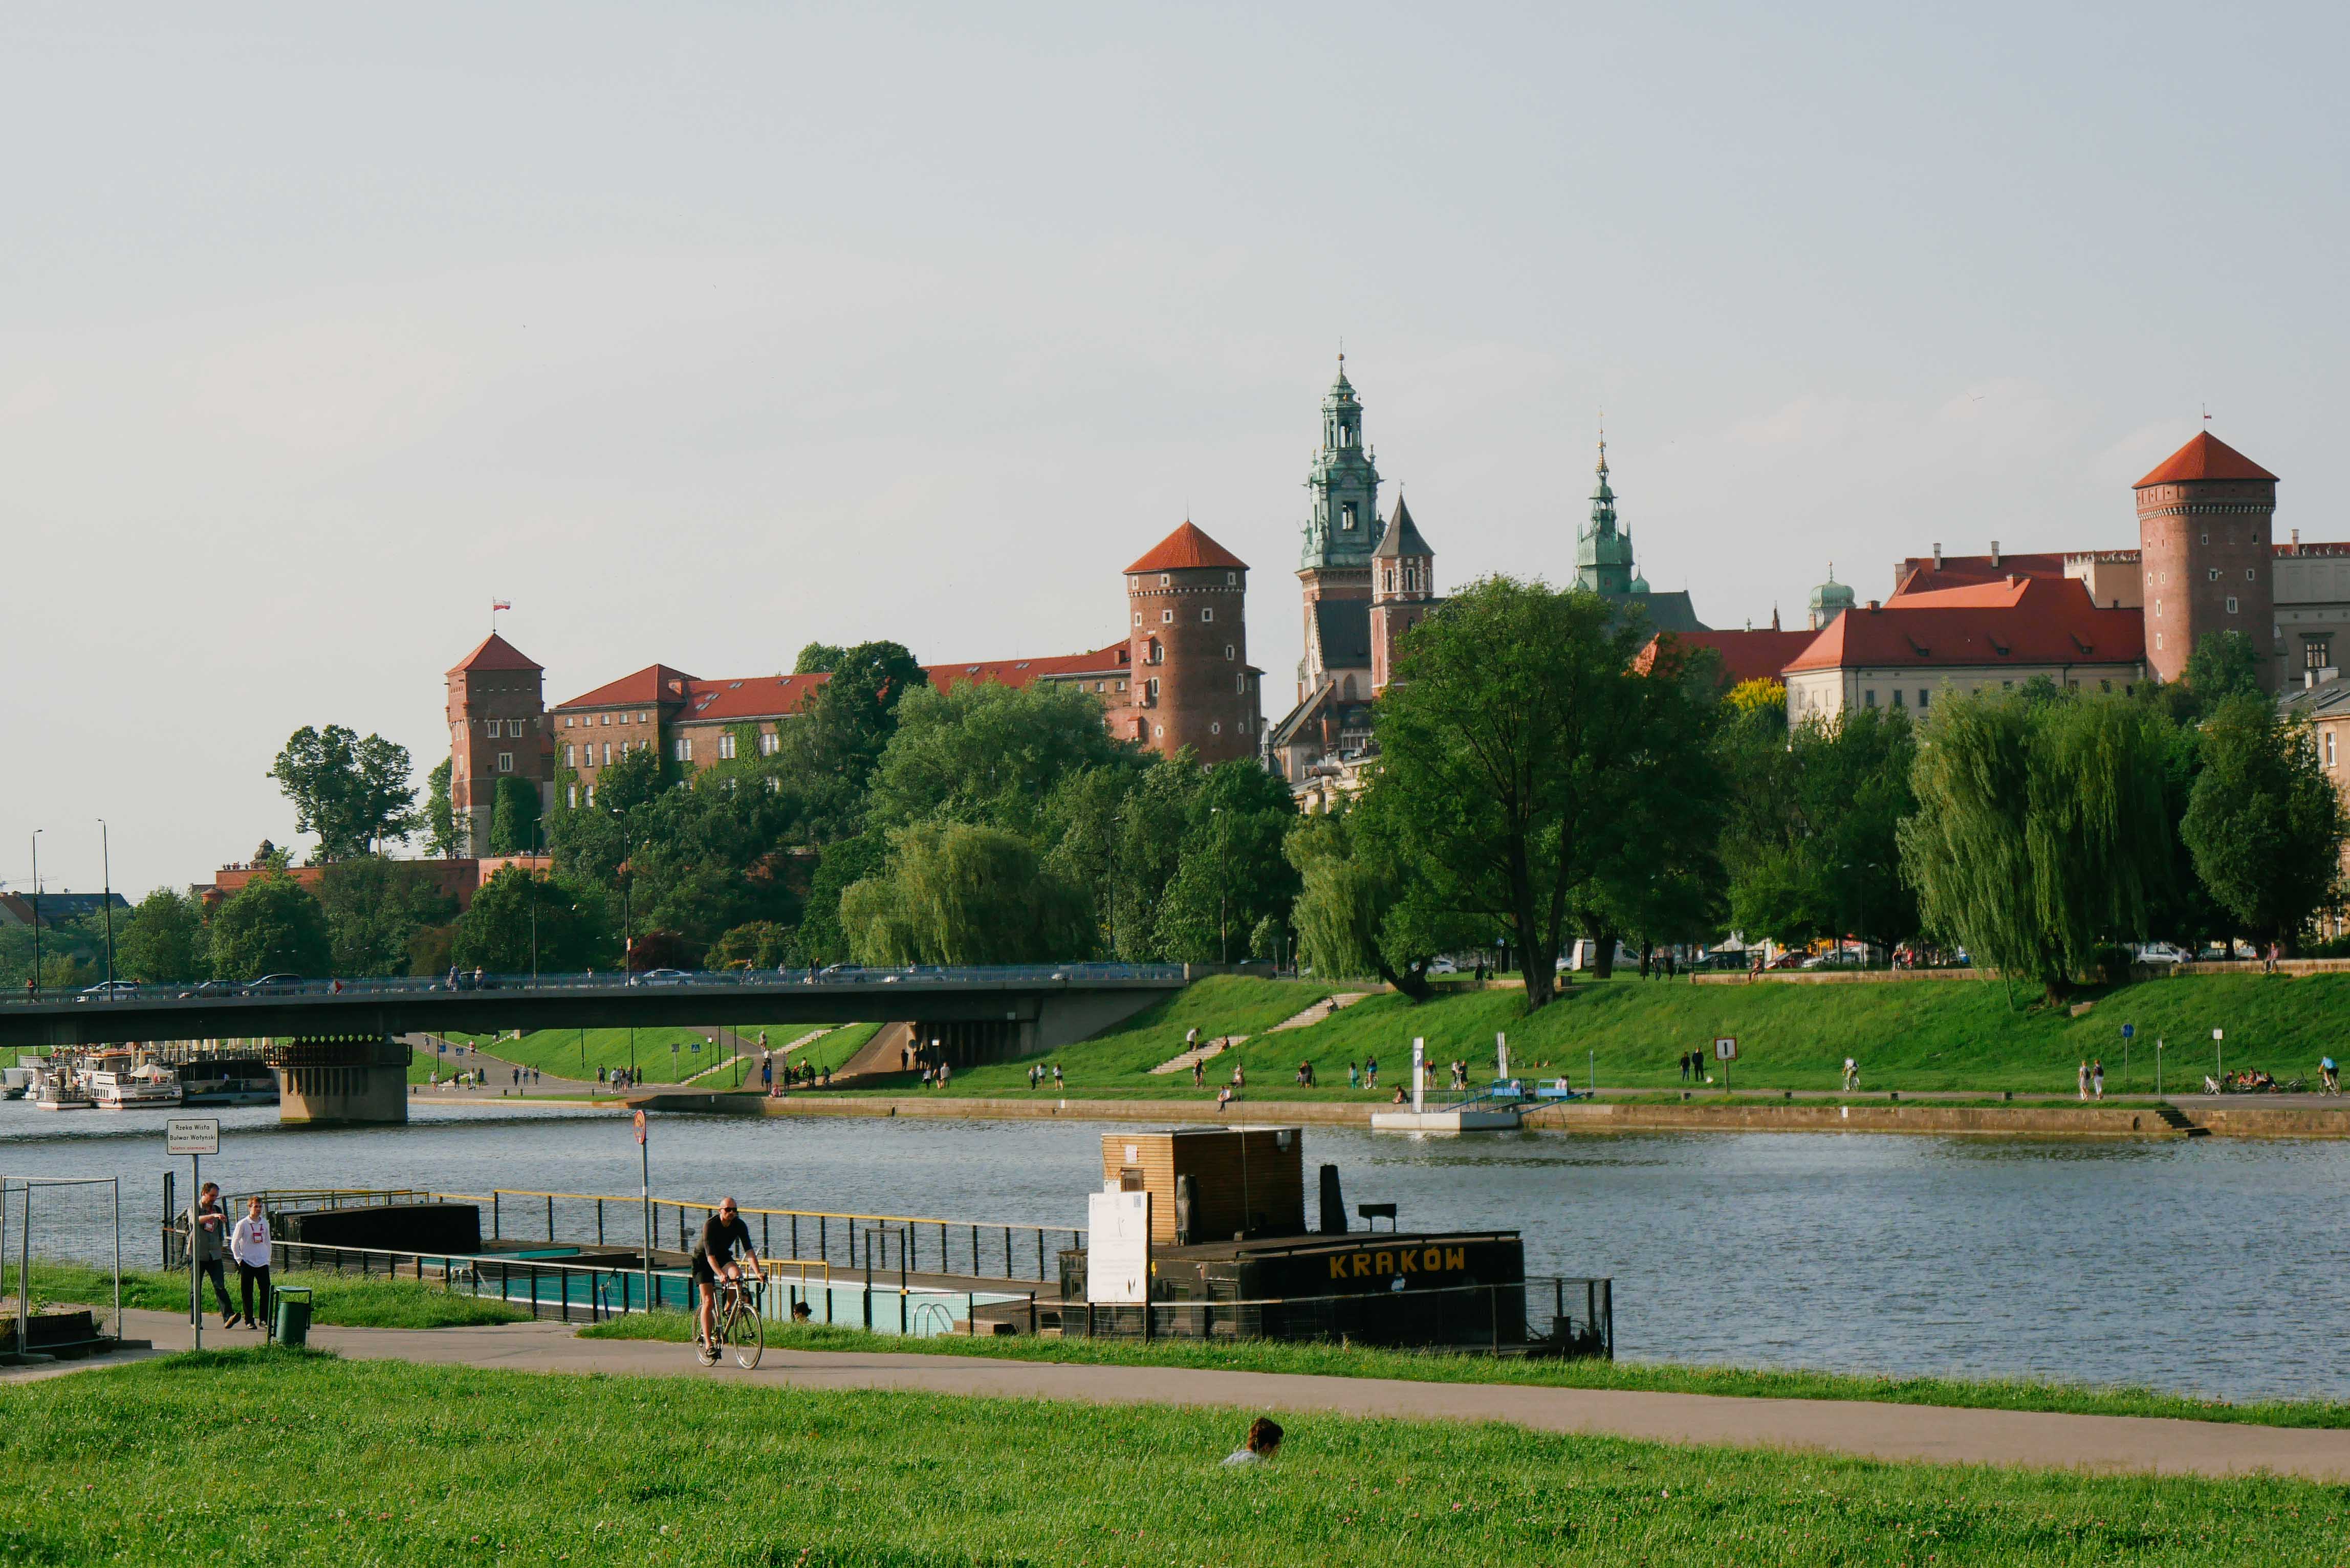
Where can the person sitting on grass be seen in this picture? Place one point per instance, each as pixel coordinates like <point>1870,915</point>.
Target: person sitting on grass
<point>801,1313</point>
<point>1263,1442</point>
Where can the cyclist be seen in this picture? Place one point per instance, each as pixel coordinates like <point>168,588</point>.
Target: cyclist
<point>715,1259</point>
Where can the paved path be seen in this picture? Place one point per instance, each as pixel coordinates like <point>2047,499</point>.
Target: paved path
<point>2101,1443</point>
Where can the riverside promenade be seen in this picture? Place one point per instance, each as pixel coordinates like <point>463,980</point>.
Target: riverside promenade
<point>2103,1444</point>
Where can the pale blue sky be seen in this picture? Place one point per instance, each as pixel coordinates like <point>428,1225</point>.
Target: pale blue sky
<point>700,332</point>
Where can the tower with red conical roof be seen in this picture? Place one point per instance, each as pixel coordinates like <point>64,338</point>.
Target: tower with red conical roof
<point>1192,684</point>
<point>2205,518</point>
<point>497,730</point>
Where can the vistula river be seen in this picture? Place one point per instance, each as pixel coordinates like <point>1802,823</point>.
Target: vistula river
<point>2215,1267</point>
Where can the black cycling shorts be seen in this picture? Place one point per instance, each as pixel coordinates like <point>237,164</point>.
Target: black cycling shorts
<point>704,1273</point>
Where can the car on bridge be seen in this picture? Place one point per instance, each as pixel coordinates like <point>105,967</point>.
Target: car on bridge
<point>275,985</point>
<point>662,976</point>
<point>110,991</point>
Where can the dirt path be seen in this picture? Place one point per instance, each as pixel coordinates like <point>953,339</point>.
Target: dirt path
<point>2100,1443</point>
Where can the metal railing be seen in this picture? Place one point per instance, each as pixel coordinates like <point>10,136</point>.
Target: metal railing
<point>614,980</point>
<point>934,1245</point>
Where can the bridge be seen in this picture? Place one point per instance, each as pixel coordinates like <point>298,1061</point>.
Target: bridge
<point>337,1046</point>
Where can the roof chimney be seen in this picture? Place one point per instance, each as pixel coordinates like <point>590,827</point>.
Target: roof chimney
<point>1994,552</point>
<point>1874,605</point>
<point>1938,554</point>
<point>2296,541</point>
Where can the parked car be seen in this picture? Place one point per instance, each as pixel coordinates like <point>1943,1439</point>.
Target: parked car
<point>2158,952</point>
<point>110,991</point>
<point>1443,966</point>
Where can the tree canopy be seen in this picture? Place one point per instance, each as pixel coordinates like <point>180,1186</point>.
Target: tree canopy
<point>2264,824</point>
<point>273,926</point>
<point>352,792</point>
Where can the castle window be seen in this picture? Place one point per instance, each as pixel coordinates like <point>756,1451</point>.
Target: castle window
<point>1166,579</point>
<point>2214,574</point>
<point>1167,617</point>
<point>1159,731</point>
<point>1216,729</point>
<point>607,752</point>
<point>591,795</point>
<point>2247,574</point>
<point>1898,697</point>
<point>1239,682</point>
<point>682,749</point>
<point>1207,612</point>
<point>566,757</point>
<point>571,796</point>
<point>1151,688</point>
<point>726,746</point>
<point>1138,618</point>
<point>2317,650</point>
<point>492,729</point>
<point>1923,696</point>
<point>1232,580</point>
<point>1346,515</point>
<point>566,721</point>
<point>769,742</point>
<point>1121,685</point>
<point>506,761</point>
<point>1228,651</point>
<point>2231,604</point>
<point>2329,748</point>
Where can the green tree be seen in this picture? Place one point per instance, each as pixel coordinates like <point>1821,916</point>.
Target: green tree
<point>164,941</point>
<point>441,839</point>
<point>959,893</point>
<point>842,865</point>
<point>1231,872</point>
<point>2263,823</point>
<point>982,752</point>
<point>819,659</point>
<point>2040,834</point>
<point>831,751</point>
<point>630,781</point>
<point>570,918</point>
<point>1361,908</point>
<point>2224,664</point>
<point>1812,815</point>
<point>375,906</point>
<point>759,944</point>
<point>1515,740</point>
<point>273,926</point>
<point>352,792</point>
<point>513,817</point>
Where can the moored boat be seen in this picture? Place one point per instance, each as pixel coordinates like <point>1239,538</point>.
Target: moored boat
<point>116,1085</point>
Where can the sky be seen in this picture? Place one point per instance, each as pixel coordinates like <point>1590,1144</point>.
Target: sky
<point>701,332</point>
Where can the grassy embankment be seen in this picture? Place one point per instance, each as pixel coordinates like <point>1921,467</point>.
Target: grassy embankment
<point>339,1299</point>
<point>306,1459</point>
<point>1440,1366</point>
<point>1916,1035</point>
<point>577,1054</point>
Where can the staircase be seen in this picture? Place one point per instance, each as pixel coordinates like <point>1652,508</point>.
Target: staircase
<point>2175,1118</point>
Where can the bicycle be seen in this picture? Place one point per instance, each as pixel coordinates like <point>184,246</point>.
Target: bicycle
<point>737,1322</point>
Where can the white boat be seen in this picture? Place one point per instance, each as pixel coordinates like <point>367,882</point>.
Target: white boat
<point>116,1085</point>
<point>57,1089</point>
<point>14,1082</point>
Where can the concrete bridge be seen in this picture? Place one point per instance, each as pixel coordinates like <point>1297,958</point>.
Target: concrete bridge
<point>337,1047</point>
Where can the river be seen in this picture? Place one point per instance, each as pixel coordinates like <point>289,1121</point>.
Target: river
<point>2214,1267</point>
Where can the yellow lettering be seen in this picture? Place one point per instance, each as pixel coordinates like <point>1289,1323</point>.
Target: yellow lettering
<point>1408,1263</point>
<point>1337,1267</point>
<point>1362,1264</point>
<point>1456,1257</point>
<point>1434,1260</point>
<point>1385,1264</point>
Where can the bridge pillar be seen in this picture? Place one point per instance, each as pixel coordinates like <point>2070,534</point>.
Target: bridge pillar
<point>341,1078</point>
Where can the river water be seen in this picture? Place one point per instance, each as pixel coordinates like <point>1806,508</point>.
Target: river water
<point>2215,1267</point>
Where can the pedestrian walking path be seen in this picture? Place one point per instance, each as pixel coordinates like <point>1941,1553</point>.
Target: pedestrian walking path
<point>1893,1432</point>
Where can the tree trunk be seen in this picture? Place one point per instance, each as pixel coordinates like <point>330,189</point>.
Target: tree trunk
<point>1603,955</point>
<point>1648,951</point>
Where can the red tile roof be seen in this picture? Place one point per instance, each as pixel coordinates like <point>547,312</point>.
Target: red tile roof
<point>753,696</point>
<point>2002,594</point>
<point>2053,621</point>
<point>2205,457</point>
<point>1021,672</point>
<point>495,652</point>
<point>1923,575</point>
<point>1745,655</point>
<point>1185,548</point>
<point>653,683</point>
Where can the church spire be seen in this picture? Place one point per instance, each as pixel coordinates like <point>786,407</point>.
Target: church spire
<point>1343,524</point>
<point>1603,553</point>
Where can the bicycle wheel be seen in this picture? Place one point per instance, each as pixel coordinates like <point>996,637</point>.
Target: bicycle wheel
<point>746,1333</point>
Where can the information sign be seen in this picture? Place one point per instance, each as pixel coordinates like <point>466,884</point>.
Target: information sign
<point>1118,1248</point>
<point>640,1126</point>
<point>1725,1049</point>
<point>192,1135</point>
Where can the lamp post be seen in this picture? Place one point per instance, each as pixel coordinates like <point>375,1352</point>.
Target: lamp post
<point>37,913</point>
<point>106,858</point>
<point>532,872</point>
<point>1224,938</point>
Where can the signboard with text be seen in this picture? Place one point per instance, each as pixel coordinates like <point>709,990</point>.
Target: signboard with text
<point>1118,1248</point>
<point>1725,1049</point>
<point>192,1135</point>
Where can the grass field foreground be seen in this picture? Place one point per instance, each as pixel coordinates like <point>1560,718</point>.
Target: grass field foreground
<point>336,1300</point>
<point>306,1458</point>
<point>1439,1367</point>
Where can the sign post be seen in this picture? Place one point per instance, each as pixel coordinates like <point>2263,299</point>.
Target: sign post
<point>2219,1059</point>
<point>1501,1058</point>
<point>194,1136</point>
<point>2127,1030</point>
<point>1419,1073</point>
<point>1725,1050</point>
<point>645,1164</point>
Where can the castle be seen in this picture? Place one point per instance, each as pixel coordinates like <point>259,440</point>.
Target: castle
<point>1179,678</point>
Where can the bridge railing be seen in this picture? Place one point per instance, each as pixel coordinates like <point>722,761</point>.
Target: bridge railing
<point>984,1250</point>
<point>605,981</point>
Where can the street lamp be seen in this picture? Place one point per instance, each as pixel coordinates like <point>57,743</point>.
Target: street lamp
<point>37,913</point>
<point>106,855</point>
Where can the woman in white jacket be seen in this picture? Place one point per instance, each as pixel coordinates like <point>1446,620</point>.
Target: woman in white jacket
<point>248,1243</point>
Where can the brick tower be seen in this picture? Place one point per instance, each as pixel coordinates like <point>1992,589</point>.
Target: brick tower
<point>497,730</point>
<point>2203,526</point>
<point>1194,685</point>
<point>1403,589</point>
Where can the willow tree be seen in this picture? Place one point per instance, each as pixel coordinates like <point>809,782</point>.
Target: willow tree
<point>2042,832</point>
<point>958,893</point>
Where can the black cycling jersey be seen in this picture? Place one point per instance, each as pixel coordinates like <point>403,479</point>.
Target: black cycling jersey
<point>720,1238</point>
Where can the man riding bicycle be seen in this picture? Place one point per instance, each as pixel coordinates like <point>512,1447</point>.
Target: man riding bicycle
<point>722,1235</point>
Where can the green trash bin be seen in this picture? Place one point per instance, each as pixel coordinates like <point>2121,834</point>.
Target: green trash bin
<point>290,1320</point>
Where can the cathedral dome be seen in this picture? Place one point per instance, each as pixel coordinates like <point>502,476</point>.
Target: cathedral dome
<point>1829,600</point>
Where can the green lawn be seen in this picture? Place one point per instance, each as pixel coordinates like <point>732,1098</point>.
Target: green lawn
<point>306,1459</point>
<point>1913,1035</point>
<point>337,1299</point>
<point>576,1053</point>
<point>1444,1366</point>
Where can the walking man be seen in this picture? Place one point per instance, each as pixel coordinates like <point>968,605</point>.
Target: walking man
<point>207,1234</point>
<point>249,1245</point>
<point>1851,1075</point>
